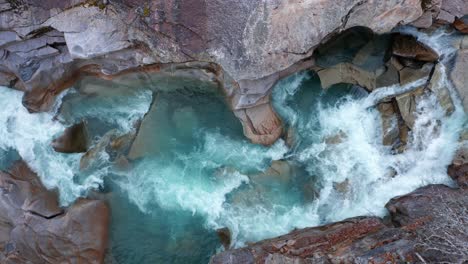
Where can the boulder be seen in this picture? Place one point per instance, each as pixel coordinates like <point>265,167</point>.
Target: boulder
<point>407,105</point>
<point>427,226</point>
<point>390,128</point>
<point>52,44</point>
<point>261,124</point>
<point>73,140</point>
<point>459,173</point>
<point>461,24</point>
<point>458,170</point>
<point>459,77</point>
<point>115,145</point>
<point>349,73</point>
<point>407,102</point>
<point>34,229</point>
<point>409,47</point>
<point>445,11</point>
<point>280,171</point>
<point>439,87</point>
<point>224,235</point>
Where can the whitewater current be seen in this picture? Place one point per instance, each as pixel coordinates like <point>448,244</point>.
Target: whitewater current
<point>201,174</point>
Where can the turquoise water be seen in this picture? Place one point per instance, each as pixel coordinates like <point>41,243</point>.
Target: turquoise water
<point>191,171</point>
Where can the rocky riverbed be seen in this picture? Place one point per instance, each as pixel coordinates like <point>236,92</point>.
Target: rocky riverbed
<point>297,131</point>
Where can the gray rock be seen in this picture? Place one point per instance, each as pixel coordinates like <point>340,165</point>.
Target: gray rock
<point>459,77</point>
<point>250,42</point>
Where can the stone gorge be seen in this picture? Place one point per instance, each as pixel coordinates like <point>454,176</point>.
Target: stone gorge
<point>121,120</point>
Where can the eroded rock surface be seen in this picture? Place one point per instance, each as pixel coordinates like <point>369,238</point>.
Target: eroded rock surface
<point>35,229</point>
<point>368,239</point>
<point>47,46</point>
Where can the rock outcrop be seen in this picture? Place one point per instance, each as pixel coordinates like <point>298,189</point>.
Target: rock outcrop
<point>415,221</point>
<point>35,229</point>
<point>47,46</point>
<point>459,77</point>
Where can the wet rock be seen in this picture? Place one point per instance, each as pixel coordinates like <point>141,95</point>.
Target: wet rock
<point>290,137</point>
<point>261,124</point>
<point>389,116</point>
<point>224,235</point>
<point>407,106</point>
<point>389,77</point>
<point>458,170</point>
<point>73,140</point>
<point>407,46</point>
<point>459,77</point>
<point>438,86</point>
<point>407,102</point>
<point>280,171</point>
<point>342,187</point>
<point>459,173</point>
<point>341,242</point>
<point>408,74</point>
<point>428,227</point>
<point>461,24</point>
<point>349,73</point>
<point>336,139</point>
<point>52,44</point>
<point>34,229</point>
<point>115,147</point>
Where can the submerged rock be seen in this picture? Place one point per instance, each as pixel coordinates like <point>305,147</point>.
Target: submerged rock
<point>224,235</point>
<point>114,146</point>
<point>73,140</point>
<point>34,229</point>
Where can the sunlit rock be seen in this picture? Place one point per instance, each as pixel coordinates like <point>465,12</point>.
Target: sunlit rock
<point>224,235</point>
<point>39,231</point>
<point>280,171</point>
<point>111,147</point>
<point>261,124</point>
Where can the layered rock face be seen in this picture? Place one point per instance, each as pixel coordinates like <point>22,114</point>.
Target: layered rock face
<point>35,229</point>
<point>427,226</point>
<point>46,46</point>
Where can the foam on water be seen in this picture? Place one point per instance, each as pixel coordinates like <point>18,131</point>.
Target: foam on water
<point>217,177</point>
<point>31,135</point>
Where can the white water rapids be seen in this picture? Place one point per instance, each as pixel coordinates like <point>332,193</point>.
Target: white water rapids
<point>213,178</point>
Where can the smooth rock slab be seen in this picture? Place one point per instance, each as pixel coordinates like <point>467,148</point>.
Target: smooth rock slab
<point>34,229</point>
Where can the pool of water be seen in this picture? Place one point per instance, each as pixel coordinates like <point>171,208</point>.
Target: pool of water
<point>190,170</point>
